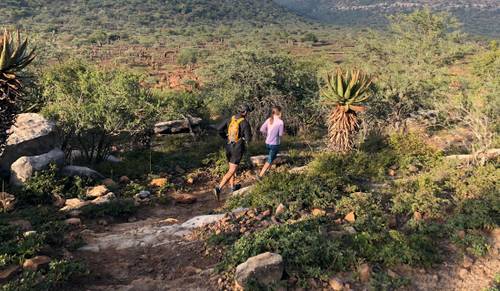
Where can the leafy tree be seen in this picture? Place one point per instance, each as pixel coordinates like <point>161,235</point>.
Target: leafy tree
<point>410,63</point>
<point>262,79</point>
<point>96,106</point>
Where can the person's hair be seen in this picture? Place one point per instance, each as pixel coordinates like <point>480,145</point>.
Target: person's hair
<point>276,110</point>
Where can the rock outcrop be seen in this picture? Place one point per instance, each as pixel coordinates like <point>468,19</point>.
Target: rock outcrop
<point>31,135</point>
<point>25,167</point>
<point>265,269</point>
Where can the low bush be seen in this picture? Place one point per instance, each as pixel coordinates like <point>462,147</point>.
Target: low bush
<point>296,191</point>
<point>305,248</point>
<point>120,208</point>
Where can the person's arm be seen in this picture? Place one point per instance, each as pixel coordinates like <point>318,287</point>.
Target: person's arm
<point>247,131</point>
<point>281,130</point>
<point>222,129</point>
<point>264,127</point>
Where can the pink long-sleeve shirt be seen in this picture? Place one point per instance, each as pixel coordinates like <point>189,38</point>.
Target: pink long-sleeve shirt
<point>274,131</point>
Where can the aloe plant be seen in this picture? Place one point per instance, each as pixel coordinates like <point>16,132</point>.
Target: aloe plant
<point>14,56</point>
<point>345,94</point>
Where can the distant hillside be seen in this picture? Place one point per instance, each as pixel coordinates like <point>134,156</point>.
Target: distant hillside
<point>126,17</point>
<point>478,16</point>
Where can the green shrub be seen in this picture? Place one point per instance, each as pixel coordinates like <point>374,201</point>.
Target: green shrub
<point>368,208</point>
<point>296,191</point>
<point>306,250</point>
<point>423,195</point>
<point>116,208</point>
<point>59,273</point>
<point>473,242</point>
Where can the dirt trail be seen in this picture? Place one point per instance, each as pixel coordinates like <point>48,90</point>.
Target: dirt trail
<point>151,254</point>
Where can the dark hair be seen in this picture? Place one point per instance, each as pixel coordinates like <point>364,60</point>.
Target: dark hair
<point>275,110</point>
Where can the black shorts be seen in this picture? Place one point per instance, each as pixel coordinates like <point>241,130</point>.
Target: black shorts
<point>234,152</point>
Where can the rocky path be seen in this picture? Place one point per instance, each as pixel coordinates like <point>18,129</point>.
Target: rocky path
<point>154,252</point>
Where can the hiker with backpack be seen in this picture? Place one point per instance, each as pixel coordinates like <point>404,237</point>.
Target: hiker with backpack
<point>237,133</point>
<point>273,128</point>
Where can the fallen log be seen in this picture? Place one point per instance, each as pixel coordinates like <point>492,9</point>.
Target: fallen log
<point>186,125</point>
<point>479,156</point>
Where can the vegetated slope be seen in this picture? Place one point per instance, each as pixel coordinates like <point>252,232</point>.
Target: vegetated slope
<point>479,16</point>
<point>82,17</point>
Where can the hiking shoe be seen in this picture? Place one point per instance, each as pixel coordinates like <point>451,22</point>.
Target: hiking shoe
<point>236,187</point>
<point>258,178</point>
<point>217,193</point>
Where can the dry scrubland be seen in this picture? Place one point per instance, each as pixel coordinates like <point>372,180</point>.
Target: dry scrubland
<point>394,188</point>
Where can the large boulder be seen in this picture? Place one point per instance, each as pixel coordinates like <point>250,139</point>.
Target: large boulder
<point>178,126</point>
<point>25,167</point>
<point>77,171</point>
<point>30,135</point>
<point>265,269</point>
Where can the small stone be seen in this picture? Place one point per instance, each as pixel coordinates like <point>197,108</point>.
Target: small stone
<point>124,180</point>
<point>29,233</point>
<point>110,183</point>
<point>467,262</point>
<point>190,181</point>
<point>36,263</point>
<point>132,219</point>
<point>461,234</point>
<point>102,222</point>
<point>392,172</point>
<point>365,273</point>
<point>336,284</point>
<point>143,194</point>
<point>463,273</point>
<point>75,213</point>
<point>392,274</point>
<point>184,198</point>
<point>159,182</point>
<point>350,217</point>
<point>170,221</point>
<point>104,199</point>
<point>74,203</point>
<point>316,212</point>
<point>280,209</point>
<point>97,191</point>
<point>266,213</point>
<point>73,221</point>
<point>413,169</point>
<point>58,201</point>
<point>350,230</point>
<point>417,216</point>
<point>9,272</point>
<point>265,269</point>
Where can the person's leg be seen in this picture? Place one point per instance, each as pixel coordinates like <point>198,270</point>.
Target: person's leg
<point>231,181</point>
<point>273,153</point>
<point>229,175</point>
<point>266,167</point>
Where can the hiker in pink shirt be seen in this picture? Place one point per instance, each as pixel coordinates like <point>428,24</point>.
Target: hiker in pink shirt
<point>273,129</point>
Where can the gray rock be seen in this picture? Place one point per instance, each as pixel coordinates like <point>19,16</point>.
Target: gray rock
<point>243,191</point>
<point>25,167</point>
<point>104,199</point>
<point>30,135</point>
<point>177,126</point>
<point>258,161</point>
<point>77,171</point>
<point>143,194</point>
<point>265,269</point>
